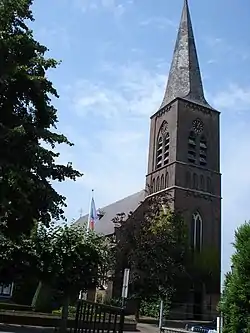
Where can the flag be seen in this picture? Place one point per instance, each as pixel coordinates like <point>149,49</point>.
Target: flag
<point>92,215</point>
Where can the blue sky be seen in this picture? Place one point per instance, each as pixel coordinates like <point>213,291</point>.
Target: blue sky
<point>115,59</point>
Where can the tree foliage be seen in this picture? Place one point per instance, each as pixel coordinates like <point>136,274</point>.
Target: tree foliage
<point>204,266</point>
<point>152,242</point>
<point>235,301</point>
<point>68,258</point>
<point>16,258</point>
<point>27,116</point>
<point>64,257</point>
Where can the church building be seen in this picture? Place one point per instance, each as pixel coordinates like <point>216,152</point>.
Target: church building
<point>184,160</point>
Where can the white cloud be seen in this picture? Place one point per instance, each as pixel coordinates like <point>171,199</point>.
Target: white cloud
<point>125,104</point>
<point>159,22</point>
<point>133,92</point>
<point>213,41</point>
<point>211,61</point>
<point>56,36</point>
<point>235,98</point>
<point>221,48</point>
<point>116,7</point>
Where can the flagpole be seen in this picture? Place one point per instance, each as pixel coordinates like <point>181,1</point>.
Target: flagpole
<point>88,223</point>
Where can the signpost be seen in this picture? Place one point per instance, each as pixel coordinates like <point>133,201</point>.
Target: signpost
<point>125,285</point>
<point>161,315</point>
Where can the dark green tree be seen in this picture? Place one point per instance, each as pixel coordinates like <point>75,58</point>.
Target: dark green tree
<point>235,301</point>
<point>16,258</point>
<point>28,160</point>
<point>152,242</point>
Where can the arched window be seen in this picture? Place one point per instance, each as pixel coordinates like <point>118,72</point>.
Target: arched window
<point>209,185</point>
<point>188,179</point>
<point>203,151</point>
<point>195,181</point>
<point>192,147</point>
<point>166,148</point>
<point>162,182</point>
<point>196,232</point>
<point>162,151</point>
<point>153,186</point>
<point>158,184</point>
<point>159,152</point>
<point>202,185</point>
<point>167,180</point>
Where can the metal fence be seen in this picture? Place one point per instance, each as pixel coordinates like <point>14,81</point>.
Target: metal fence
<point>95,317</point>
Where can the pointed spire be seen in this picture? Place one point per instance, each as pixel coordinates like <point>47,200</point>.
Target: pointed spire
<point>184,77</point>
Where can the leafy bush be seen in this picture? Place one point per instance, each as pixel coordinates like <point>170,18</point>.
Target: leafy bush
<point>149,309</point>
<point>152,309</point>
<point>72,311</point>
<point>113,302</point>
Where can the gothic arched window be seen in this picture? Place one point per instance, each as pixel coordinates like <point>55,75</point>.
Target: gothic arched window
<point>202,185</point>
<point>196,232</point>
<point>188,179</point>
<point>162,182</point>
<point>209,185</point>
<point>167,180</point>
<point>153,186</point>
<point>162,151</point>
<point>166,148</point>
<point>195,181</point>
<point>203,151</point>
<point>192,147</point>
<point>158,184</point>
<point>159,152</point>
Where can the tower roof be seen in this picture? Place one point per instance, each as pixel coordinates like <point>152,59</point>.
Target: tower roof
<point>184,77</point>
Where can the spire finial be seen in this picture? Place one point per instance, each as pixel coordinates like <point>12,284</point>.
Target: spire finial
<point>184,79</point>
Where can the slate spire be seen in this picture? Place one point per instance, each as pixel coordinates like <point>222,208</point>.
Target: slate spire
<point>184,77</point>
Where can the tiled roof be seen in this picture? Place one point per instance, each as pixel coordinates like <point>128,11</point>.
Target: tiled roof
<point>126,205</point>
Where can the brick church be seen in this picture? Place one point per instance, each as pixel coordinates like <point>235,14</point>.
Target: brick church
<point>184,160</point>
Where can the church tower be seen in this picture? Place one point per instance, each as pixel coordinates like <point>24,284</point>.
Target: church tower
<point>184,160</point>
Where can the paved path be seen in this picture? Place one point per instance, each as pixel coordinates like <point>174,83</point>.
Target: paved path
<point>147,328</point>
<point>151,328</point>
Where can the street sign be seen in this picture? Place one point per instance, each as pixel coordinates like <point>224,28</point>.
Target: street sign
<point>125,283</point>
<point>6,290</point>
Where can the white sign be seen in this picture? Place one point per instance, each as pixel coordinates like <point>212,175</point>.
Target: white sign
<point>6,290</point>
<point>125,283</point>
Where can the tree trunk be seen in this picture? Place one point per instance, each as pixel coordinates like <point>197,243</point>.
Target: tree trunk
<point>65,312</point>
<point>42,300</point>
<point>38,289</point>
